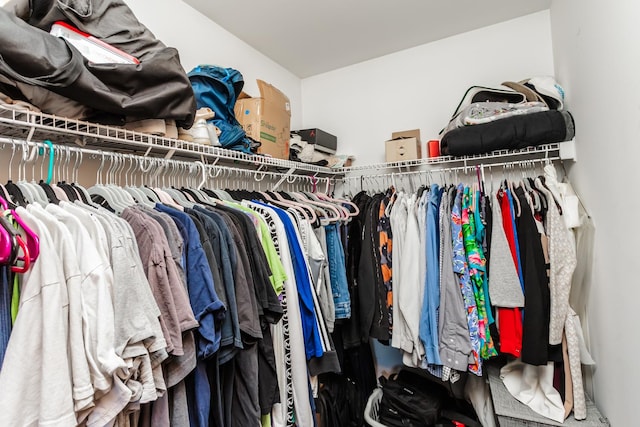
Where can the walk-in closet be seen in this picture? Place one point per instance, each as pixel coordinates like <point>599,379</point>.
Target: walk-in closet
<point>290,214</point>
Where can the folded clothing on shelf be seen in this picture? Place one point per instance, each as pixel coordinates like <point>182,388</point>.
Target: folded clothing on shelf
<point>514,132</point>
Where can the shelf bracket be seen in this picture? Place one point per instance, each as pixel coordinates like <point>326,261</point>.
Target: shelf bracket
<point>568,150</point>
<point>283,178</point>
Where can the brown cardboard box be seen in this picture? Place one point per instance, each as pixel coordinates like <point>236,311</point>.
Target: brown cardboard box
<point>266,119</point>
<point>414,133</point>
<point>404,145</point>
<point>398,150</point>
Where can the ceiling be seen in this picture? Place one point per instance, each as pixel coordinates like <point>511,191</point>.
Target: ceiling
<point>309,37</point>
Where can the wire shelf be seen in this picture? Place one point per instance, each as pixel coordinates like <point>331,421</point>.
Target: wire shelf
<point>37,127</point>
<point>34,126</point>
<point>562,151</point>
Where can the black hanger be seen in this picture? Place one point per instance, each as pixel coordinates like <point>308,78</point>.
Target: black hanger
<point>83,197</point>
<point>71,194</point>
<point>96,198</point>
<point>16,194</point>
<point>194,195</point>
<point>51,195</point>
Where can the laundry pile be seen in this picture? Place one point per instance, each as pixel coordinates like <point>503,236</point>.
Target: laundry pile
<point>52,74</point>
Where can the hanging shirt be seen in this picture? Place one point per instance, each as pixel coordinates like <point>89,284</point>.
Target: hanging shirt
<point>61,237</point>
<point>398,220</point>
<point>385,243</point>
<point>277,275</point>
<point>410,290</point>
<point>207,307</point>
<point>227,253</point>
<point>431,299</point>
<point>288,336</point>
<point>35,380</point>
<point>476,264</point>
<point>461,269</point>
<point>535,325</point>
<point>98,314</point>
<point>453,329</point>
<point>312,338</point>
<point>163,277</point>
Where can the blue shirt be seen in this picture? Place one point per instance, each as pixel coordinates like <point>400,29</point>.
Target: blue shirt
<point>207,307</point>
<point>312,339</point>
<point>431,301</point>
<point>229,262</point>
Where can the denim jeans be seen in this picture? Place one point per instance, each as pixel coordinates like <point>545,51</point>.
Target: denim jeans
<point>5,312</point>
<point>338,273</point>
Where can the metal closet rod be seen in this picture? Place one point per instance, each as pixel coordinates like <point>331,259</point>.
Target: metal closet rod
<point>467,169</point>
<point>212,170</point>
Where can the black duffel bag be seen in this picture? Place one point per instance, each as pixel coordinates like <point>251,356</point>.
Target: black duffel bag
<point>410,399</point>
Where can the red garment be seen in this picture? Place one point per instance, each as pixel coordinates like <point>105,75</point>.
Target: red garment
<point>507,224</point>
<point>510,329</point>
<point>509,319</point>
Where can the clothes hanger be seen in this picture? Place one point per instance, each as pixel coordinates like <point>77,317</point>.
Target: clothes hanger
<point>31,239</point>
<point>45,183</point>
<point>29,193</point>
<point>8,243</point>
<point>147,191</point>
<point>326,209</point>
<point>278,200</point>
<point>338,213</point>
<point>82,191</point>
<point>4,192</point>
<point>19,251</point>
<point>207,174</point>
<point>116,181</point>
<point>533,192</point>
<point>164,197</point>
<point>213,173</point>
<point>317,200</point>
<point>176,195</point>
<point>71,194</point>
<point>140,197</point>
<point>104,191</point>
<point>340,202</point>
<point>516,201</point>
<point>41,195</point>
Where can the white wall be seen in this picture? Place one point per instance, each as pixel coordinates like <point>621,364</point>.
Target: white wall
<point>420,87</point>
<point>597,60</point>
<point>201,41</point>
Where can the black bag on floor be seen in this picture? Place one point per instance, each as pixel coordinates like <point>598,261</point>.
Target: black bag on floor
<point>410,399</point>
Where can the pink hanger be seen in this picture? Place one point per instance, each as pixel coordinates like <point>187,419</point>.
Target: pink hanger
<point>32,241</point>
<point>26,258</point>
<point>7,245</point>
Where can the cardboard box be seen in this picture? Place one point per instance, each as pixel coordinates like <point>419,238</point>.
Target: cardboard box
<point>398,150</point>
<point>266,119</point>
<point>414,133</point>
<point>322,141</point>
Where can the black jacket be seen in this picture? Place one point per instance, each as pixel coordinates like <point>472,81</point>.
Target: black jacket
<point>157,87</point>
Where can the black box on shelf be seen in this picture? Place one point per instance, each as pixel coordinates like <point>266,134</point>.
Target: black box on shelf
<point>323,141</point>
